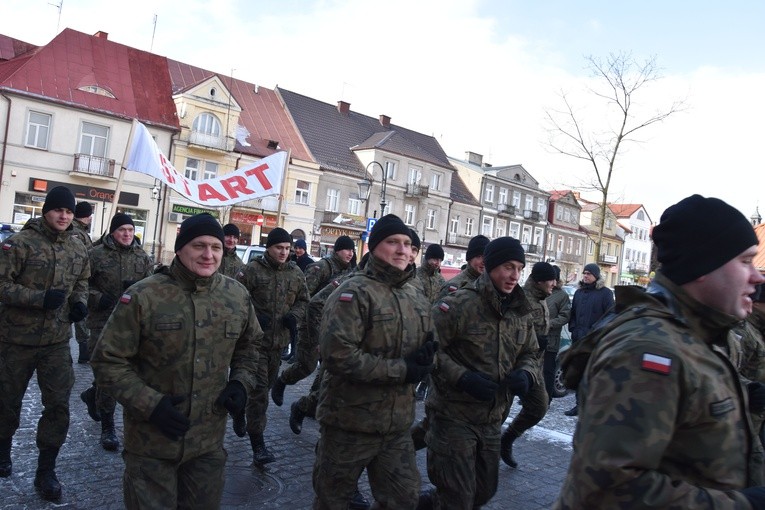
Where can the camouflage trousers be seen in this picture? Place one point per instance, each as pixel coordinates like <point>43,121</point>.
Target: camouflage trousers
<point>341,456</point>
<point>150,483</point>
<point>308,403</point>
<point>463,462</point>
<point>535,405</point>
<point>55,377</point>
<point>105,403</point>
<point>306,357</point>
<point>257,401</point>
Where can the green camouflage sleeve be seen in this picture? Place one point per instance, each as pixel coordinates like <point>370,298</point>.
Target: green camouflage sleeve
<point>12,257</point>
<point>300,306</point>
<point>245,362</point>
<point>315,274</point>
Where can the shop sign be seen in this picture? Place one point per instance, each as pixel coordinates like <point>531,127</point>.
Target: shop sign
<point>191,210</point>
<point>84,192</point>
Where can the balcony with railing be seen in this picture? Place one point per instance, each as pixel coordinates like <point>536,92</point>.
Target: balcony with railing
<point>609,259</point>
<point>457,239</point>
<point>201,139</point>
<point>506,209</point>
<point>417,190</point>
<point>531,248</point>
<point>531,215</point>
<point>93,165</point>
<point>637,267</point>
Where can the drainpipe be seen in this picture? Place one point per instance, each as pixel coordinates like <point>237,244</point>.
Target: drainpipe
<point>5,138</point>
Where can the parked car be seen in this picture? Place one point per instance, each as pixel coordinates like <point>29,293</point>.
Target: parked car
<point>570,290</point>
<point>559,389</point>
<point>249,253</point>
<point>6,231</point>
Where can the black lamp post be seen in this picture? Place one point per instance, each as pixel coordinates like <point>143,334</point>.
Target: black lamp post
<point>365,189</point>
<point>156,194</point>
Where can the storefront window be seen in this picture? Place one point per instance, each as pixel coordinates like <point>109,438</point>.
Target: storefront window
<point>139,220</point>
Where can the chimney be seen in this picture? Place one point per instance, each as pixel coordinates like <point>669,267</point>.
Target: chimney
<point>343,107</point>
<point>385,121</point>
<point>101,34</point>
<point>474,158</point>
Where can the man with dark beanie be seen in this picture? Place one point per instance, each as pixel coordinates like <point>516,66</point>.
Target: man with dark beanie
<point>487,355</point>
<point>376,344</point>
<point>473,269</point>
<point>663,413</point>
<point>180,350</point>
<point>83,215</point>
<point>116,263</point>
<point>280,297</point>
<point>230,263</point>
<point>429,272</point>
<point>301,256</point>
<point>44,274</point>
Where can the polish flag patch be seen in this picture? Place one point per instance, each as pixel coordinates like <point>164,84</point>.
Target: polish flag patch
<point>125,299</point>
<point>7,246</point>
<point>452,288</point>
<point>443,307</point>
<point>346,297</point>
<point>656,363</point>
<point>335,283</point>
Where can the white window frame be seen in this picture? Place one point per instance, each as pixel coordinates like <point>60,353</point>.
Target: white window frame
<point>561,241</point>
<point>333,200</point>
<point>354,206</point>
<point>92,143</point>
<point>410,214</point>
<point>529,203</point>
<point>390,170</point>
<point>538,234</point>
<point>502,195</point>
<point>526,239</point>
<point>415,175</point>
<point>303,192</point>
<point>211,170</point>
<point>436,180</point>
<point>488,194</point>
<point>206,123</point>
<point>515,230</point>
<point>432,217</point>
<point>501,228</point>
<point>454,225</point>
<point>550,240</point>
<point>541,206</point>
<point>578,246</point>
<point>517,199</point>
<point>191,171</point>
<point>469,227</point>
<point>38,134</point>
<point>487,226</point>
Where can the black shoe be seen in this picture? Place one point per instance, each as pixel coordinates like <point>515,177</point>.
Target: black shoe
<point>6,467</point>
<point>89,397</point>
<point>506,449</point>
<point>47,485</point>
<point>109,441</point>
<point>574,411</point>
<point>260,453</point>
<point>296,418</point>
<point>240,424</point>
<point>358,501</point>
<point>418,435</point>
<point>82,356</point>
<point>277,392</point>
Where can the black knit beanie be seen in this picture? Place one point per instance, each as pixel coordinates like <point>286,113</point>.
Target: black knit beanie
<point>59,197</point>
<point>476,246</point>
<point>83,210</point>
<point>416,243</point>
<point>593,269</point>
<point>198,225</point>
<point>434,251</point>
<point>502,250</point>
<point>278,235</point>
<point>344,243</point>
<point>543,272</point>
<point>557,272</point>
<point>388,225</point>
<point>229,229</point>
<point>698,235</point>
<point>119,220</point>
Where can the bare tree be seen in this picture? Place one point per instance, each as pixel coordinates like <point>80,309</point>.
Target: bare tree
<point>619,79</point>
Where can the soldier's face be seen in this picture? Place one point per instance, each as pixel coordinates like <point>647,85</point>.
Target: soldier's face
<point>299,252</point>
<point>59,219</point>
<point>345,255</point>
<point>202,255</point>
<point>395,250</point>
<point>415,252</point>
<point>230,242</point>
<point>505,276</point>
<point>279,252</point>
<point>729,287</point>
<point>477,264</point>
<point>546,287</point>
<point>124,235</point>
<point>434,263</point>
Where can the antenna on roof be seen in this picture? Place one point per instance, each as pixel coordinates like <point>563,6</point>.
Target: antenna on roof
<point>154,31</point>
<point>58,6</point>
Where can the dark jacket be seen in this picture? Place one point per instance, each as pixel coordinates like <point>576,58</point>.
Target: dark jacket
<point>591,302</point>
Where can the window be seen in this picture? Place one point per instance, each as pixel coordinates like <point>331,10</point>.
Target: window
<point>501,228</point>
<point>567,215</point>
<point>517,199</point>
<point>192,169</point>
<point>578,246</point>
<point>390,170</point>
<point>409,217</point>
<point>211,170</point>
<point>37,130</point>
<point>487,226</point>
<point>94,139</point>
<point>590,246</point>
<point>333,200</point>
<point>469,227</point>
<point>641,216</point>
<point>561,239</point>
<point>431,219</point>
<point>526,235</point>
<point>454,225</point>
<point>415,174</point>
<point>529,203</point>
<point>206,123</point>
<point>538,233</point>
<point>550,240</point>
<point>541,206</point>
<point>488,195</point>
<point>559,210</point>
<point>570,245</point>
<point>388,208</point>
<point>502,195</point>
<point>609,223</point>
<point>354,206</point>
<point>302,192</point>
<point>208,169</point>
<point>435,181</point>
<point>515,230</point>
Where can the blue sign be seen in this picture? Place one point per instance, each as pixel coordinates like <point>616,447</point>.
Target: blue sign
<point>371,223</point>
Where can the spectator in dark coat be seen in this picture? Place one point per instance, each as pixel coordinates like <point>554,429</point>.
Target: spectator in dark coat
<point>302,259</point>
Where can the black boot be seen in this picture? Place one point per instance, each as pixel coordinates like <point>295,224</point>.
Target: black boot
<point>6,468</point>
<point>46,482</point>
<point>260,454</point>
<point>240,424</point>
<point>506,447</point>
<point>574,411</point>
<point>89,397</point>
<point>83,356</point>
<point>296,418</point>
<point>109,440</point>
<point>277,392</point>
<point>418,432</point>
<point>358,501</point>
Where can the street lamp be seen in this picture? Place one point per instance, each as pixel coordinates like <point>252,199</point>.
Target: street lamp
<point>365,189</point>
<point>156,194</point>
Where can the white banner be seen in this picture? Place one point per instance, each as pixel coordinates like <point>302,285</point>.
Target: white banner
<point>261,179</point>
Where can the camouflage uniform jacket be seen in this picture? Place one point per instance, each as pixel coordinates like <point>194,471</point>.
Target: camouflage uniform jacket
<point>276,290</point>
<point>33,261</point>
<point>316,305</point>
<point>230,263</point>
<point>752,365</point>
<point>475,334</point>
<point>320,273</point>
<point>432,281</point>
<point>111,265</point>
<point>662,414</point>
<point>559,306</point>
<point>466,277</point>
<point>81,230</point>
<point>175,333</point>
<point>540,314</point>
<point>370,323</point>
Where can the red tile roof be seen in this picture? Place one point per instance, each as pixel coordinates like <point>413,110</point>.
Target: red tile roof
<point>138,80</point>
<point>624,210</point>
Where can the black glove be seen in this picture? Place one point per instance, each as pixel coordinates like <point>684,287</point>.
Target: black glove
<point>106,302</point>
<point>420,362</point>
<point>756,397</point>
<point>264,321</point>
<point>233,397</point>
<point>755,495</point>
<point>519,382</point>
<point>78,312</point>
<point>54,298</point>
<point>424,355</point>
<point>127,283</point>
<point>542,340</point>
<point>478,385</point>
<point>166,417</point>
<point>290,322</point>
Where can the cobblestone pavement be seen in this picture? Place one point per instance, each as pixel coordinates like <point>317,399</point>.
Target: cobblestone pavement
<point>91,477</point>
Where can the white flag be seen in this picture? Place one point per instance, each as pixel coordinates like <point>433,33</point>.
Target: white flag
<point>261,179</point>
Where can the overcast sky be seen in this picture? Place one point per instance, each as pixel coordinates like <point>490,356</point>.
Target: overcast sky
<point>479,75</point>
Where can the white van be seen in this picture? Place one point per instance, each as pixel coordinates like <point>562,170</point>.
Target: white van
<point>249,253</point>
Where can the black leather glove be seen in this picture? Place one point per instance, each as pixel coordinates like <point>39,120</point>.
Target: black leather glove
<point>54,298</point>
<point>519,382</point>
<point>233,397</point>
<point>542,340</point>
<point>106,302</point>
<point>756,392</point>
<point>420,362</point>
<point>168,419</point>
<point>264,321</point>
<point>78,312</point>
<point>290,322</point>
<point>756,496</point>
<point>127,283</point>
<point>477,385</point>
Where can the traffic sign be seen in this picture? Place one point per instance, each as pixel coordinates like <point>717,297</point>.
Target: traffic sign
<point>371,223</point>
